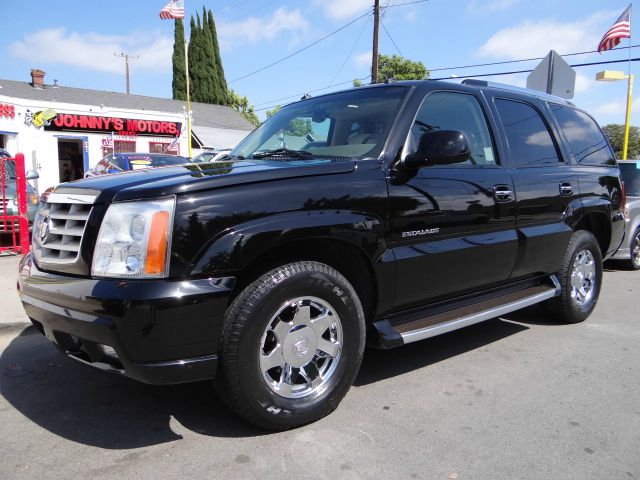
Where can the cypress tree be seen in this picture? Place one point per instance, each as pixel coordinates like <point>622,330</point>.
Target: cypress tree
<point>206,74</point>
<point>197,66</point>
<point>212,91</point>
<point>221,82</point>
<point>192,57</point>
<point>179,84</point>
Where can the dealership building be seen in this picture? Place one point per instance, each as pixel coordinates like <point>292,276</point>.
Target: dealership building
<point>64,131</point>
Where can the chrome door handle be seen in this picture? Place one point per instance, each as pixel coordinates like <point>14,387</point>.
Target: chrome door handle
<point>502,193</point>
<point>566,189</point>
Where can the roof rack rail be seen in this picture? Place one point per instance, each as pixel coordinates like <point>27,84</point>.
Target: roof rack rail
<point>504,86</point>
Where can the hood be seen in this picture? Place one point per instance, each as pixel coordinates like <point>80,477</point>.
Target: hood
<point>161,181</point>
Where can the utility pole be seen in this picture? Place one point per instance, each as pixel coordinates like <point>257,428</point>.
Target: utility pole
<point>374,59</point>
<point>126,57</point>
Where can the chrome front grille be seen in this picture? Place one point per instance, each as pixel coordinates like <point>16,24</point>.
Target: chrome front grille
<point>59,227</point>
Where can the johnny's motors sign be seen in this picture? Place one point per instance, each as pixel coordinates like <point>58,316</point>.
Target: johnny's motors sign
<point>117,125</point>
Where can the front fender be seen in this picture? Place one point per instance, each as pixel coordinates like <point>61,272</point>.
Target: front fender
<point>234,249</point>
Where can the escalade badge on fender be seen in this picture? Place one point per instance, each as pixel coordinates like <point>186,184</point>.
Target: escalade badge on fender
<point>416,233</point>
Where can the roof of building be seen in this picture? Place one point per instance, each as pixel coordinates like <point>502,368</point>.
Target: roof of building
<point>204,114</point>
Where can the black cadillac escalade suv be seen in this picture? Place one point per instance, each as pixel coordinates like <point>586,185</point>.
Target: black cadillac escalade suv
<point>380,215</point>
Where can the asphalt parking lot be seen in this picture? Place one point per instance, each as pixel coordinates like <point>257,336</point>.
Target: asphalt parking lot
<point>513,398</point>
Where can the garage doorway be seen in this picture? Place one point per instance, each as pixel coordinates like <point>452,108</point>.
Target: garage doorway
<point>70,159</point>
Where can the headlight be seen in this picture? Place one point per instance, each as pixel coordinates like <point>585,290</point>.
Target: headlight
<point>135,240</point>
<point>32,199</point>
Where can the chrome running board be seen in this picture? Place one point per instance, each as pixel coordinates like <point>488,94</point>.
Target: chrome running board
<point>436,324</point>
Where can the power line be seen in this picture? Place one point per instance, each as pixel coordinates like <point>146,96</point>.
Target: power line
<point>301,50</point>
<point>298,95</point>
<point>505,62</point>
<point>353,47</point>
<point>530,70</point>
<point>406,3</point>
<point>391,38</point>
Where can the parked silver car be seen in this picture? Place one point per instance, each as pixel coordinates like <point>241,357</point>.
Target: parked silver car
<point>629,251</point>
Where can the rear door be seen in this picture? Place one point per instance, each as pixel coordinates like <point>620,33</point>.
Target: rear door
<point>452,226</point>
<point>546,187</point>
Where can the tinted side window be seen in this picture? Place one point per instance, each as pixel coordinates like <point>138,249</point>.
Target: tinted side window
<point>455,111</point>
<point>587,142</point>
<point>529,140</point>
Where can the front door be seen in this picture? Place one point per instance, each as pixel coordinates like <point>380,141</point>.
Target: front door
<point>452,227</point>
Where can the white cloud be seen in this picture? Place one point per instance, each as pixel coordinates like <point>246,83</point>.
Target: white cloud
<point>362,59</point>
<point>94,51</point>
<point>254,29</point>
<point>535,39</point>
<point>490,6</point>
<point>341,9</point>
<point>583,83</point>
<point>411,16</point>
<point>615,107</point>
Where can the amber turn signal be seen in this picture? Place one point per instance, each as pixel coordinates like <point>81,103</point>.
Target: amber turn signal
<point>157,244</point>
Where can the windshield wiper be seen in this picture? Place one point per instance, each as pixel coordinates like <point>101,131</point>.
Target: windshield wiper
<point>284,153</point>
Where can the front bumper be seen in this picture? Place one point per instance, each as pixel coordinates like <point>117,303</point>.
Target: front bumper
<point>154,331</point>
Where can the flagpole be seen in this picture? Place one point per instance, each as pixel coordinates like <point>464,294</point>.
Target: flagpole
<point>186,74</point>
<point>627,123</point>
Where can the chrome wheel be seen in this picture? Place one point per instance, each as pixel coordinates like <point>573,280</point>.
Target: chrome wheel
<point>583,278</point>
<point>635,250</point>
<point>300,348</point>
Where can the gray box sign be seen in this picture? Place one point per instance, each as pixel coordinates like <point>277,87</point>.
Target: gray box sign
<point>553,75</point>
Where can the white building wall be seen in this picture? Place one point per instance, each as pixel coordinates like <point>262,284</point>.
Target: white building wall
<point>40,147</point>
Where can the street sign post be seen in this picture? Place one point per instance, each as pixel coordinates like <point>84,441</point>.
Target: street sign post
<point>553,75</point>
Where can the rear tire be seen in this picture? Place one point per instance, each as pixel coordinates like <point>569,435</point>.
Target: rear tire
<point>291,346</point>
<point>580,277</point>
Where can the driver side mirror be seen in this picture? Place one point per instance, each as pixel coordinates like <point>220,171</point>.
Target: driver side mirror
<point>32,175</point>
<point>440,147</point>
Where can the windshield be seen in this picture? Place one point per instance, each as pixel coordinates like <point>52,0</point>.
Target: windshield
<point>630,173</point>
<point>355,123</point>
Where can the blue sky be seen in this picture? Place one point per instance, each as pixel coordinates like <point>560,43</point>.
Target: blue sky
<point>74,42</point>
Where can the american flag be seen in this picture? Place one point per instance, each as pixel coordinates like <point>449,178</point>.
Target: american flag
<point>621,29</point>
<point>173,146</point>
<point>173,10</point>
<point>108,142</point>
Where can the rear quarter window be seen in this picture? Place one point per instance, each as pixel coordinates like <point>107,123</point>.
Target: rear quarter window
<point>588,144</point>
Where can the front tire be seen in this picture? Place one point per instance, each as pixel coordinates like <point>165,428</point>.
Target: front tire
<point>580,277</point>
<point>291,346</point>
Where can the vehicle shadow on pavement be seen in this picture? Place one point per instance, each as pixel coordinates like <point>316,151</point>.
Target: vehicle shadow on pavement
<point>105,410</point>
<point>382,364</point>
